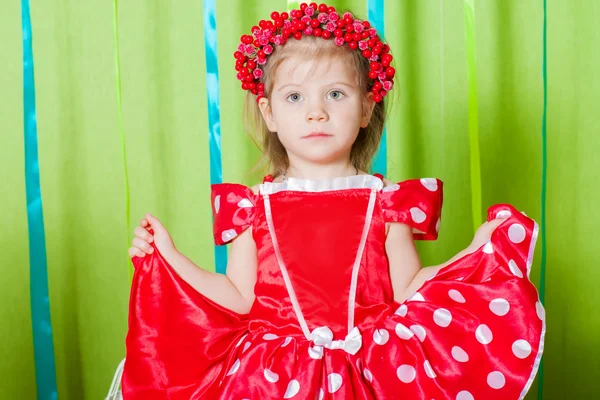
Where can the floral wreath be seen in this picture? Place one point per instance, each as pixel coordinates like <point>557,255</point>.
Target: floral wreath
<point>313,20</point>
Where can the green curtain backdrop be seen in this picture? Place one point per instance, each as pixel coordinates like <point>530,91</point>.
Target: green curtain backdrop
<point>165,122</point>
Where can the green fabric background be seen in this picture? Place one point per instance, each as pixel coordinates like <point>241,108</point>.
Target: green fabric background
<point>165,118</point>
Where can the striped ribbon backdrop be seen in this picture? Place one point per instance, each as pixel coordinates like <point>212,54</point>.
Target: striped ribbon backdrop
<point>40,307</point>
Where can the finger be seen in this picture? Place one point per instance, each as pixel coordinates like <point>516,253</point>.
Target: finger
<point>135,252</point>
<point>496,222</point>
<point>154,222</point>
<point>144,222</point>
<point>142,245</point>
<point>143,233</point>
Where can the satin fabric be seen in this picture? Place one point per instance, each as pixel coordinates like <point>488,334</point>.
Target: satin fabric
<point>474,331</point>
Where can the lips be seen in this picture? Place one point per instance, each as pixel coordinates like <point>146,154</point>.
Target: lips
<point>316,135</point>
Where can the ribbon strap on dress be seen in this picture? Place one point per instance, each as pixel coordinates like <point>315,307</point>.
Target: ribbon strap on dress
<point>323,336</point>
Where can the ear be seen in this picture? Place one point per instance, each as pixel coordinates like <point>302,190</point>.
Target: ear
<point>367,110</point>
<point>267,114</point>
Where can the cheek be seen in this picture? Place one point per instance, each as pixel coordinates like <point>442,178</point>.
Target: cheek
<point>350,117</point>
<point>283,112</point>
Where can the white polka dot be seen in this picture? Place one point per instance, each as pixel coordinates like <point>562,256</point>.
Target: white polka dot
<point>381,336</point>
<point>270,336</point>
<point>499,307</point>
<point>403,332</point>
<point>428,370</point>
<point>456,296</point>
<point>316,352</point>
<point>234,368</point>
<point>464,395</point>
<point>417,215</point>
<point>539,309</point>
<point>217,203</point>
<point>488,248</point>
<point>286,341</point>
<point>514,268</point>
<point>245,203</point>
<point>406,373</point>
<point>460,278</point>
<point>442,317</point>
<point>503,214</point>
<point>438,224</point>
<point>321,394</point>
<point>419,331</point>
<point>416,297</point>
<point>240,341</point>
<point>496,380</point>
<point>368,375</point>
<point>521,349</point>
<point>246,347</point>
<point>430,183</point>
<point>391,188</point>
<point>271,376</point>
<point>292,389</point>
<point>228,235</point>
<point>484,334</point>
<point>334,382</point>
<point>459,354</point>
<point>516,233</point>
<point>402,310</point>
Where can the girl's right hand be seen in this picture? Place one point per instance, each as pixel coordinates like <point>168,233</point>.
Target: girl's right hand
<point>151,230</point>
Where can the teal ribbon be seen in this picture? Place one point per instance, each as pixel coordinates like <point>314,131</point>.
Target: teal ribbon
<point>214,116</point>
<point>543,197</point>
<point>375,13</point>
<point>43,346</point>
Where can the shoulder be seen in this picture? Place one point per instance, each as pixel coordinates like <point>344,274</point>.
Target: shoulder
<point>255,189</point>
<point>387,182</point>
<point>416,203</point>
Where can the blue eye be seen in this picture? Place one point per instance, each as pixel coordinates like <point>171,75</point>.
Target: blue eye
<point>336,95</point>
<point>294,98</point>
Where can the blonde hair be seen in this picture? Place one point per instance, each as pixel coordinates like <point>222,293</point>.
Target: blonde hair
<point>274,154</point>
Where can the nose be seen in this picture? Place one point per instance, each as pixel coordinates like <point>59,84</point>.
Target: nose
<point>317,113</point>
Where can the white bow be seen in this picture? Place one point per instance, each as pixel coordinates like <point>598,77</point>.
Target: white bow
<point>323,336</point>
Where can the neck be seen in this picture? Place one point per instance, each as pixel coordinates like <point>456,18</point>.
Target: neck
<point>306,170</point>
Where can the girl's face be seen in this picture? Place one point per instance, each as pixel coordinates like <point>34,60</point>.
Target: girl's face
<point>316,114</point>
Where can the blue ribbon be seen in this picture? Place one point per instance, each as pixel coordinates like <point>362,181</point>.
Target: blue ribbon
<point>43,346</point>
<point>375,16</point>
<point>214,116</point>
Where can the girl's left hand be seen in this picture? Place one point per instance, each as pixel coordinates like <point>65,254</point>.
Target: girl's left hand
<point>484,233</point>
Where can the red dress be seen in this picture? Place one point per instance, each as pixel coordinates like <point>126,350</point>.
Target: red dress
<point>324,324</point>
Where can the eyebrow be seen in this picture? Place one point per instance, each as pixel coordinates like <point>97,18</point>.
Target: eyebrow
<point>331,84</point>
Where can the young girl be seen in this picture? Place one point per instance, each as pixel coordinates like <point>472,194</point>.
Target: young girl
<point>324,295</point>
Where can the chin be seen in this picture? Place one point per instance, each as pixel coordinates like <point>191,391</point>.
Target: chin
<point>323,156</point>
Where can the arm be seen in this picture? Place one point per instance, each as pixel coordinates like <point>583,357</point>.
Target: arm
<point>427,272</point>
<point>482,235</point>
<point>405,264</point>
<point>404,261</point>
<point>235,290</point>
